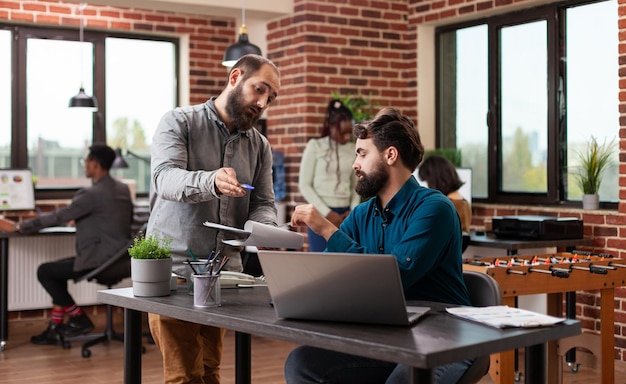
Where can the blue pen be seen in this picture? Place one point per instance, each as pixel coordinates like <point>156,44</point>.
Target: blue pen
<point>247,186</point>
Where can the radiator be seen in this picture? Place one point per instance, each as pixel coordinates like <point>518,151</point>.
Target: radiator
<point>25,255</point>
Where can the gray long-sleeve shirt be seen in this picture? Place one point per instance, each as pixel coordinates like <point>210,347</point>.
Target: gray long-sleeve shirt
<point>189,146</point>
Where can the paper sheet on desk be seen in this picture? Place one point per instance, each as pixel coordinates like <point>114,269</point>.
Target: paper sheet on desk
<point>262,235</point>
<point>502,316</point>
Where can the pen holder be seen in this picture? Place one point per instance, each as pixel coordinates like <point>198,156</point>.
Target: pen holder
<point>196,267</point>
<point>206,291</point>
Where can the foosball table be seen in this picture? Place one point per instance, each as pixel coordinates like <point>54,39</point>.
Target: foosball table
<point>554,274</point>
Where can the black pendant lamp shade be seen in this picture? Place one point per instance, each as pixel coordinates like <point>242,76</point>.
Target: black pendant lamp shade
<point>82,100</point>
<point>119,162</point>
<point>240,48</point>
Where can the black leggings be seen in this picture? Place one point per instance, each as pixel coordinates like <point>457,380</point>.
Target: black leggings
<point>53,277</point>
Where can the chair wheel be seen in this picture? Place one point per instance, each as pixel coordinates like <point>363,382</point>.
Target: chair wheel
<point>86,353</point>
<point>66,345</point>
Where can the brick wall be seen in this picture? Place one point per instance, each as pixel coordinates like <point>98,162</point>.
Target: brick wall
<point>350,46</point>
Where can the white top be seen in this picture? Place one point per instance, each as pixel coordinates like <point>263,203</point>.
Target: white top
<point>318,175</point>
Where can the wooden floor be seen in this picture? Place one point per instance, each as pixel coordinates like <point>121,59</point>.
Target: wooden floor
<point>22,362</point>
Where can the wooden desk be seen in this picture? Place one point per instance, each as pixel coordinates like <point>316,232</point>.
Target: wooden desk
<point>513,245</point>
<point>4,279</point>
<point>437,338</point>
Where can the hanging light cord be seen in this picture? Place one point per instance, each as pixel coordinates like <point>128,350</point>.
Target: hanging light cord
<point>80,34</point>
<point>243,12</point>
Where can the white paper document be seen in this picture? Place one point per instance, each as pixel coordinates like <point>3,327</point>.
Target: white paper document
<point>261,235</point>
<point>502,316</point>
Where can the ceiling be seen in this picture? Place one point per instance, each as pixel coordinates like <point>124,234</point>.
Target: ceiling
<point>261,10</point>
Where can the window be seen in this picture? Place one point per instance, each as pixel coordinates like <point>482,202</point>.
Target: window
<point>520,94</point>
<point>134,79</point>
<point>56,136</point>
<point>5,95</point>
<point>146,82</point>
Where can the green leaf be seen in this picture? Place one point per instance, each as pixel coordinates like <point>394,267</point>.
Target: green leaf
<point>361,107</point>
<point>151,247</point>
<point>593,162</point>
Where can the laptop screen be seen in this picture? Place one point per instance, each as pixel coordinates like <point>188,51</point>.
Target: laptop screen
<point>349,287</point>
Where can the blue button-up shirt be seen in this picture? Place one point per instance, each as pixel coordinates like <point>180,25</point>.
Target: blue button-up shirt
<point>421,228</point>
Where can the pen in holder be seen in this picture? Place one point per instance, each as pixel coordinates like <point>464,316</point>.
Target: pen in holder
<point>207,290</point>
<point>200,266</point>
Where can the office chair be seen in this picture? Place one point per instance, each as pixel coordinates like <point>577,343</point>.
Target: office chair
<point>114,270</point>
<point>484,291</point>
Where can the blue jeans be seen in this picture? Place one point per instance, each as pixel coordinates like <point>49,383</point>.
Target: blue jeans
<point>310,365</point>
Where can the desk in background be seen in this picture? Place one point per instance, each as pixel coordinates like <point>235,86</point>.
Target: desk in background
<point>436,339</point>
<point>4,275</point>
<point>512,246</point>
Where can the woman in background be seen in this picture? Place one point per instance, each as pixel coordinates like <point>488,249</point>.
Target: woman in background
<point>326,177</point>
<point>440,174</point>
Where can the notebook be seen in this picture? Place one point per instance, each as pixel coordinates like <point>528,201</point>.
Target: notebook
<point>345,287</point>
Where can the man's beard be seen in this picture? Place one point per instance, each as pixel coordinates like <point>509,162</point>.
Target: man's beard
<point>369,185</point>
<point>240,117</point>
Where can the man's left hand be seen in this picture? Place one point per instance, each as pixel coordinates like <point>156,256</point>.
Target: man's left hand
<point>309,215</point>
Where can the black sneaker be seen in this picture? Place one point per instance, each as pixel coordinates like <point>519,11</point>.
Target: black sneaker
<point>50,336</point>
<point>77,325</point>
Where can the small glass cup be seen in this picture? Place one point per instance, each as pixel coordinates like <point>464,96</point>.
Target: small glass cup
<point>207,289</point>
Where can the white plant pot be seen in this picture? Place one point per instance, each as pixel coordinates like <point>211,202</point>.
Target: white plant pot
<point>151,277</point>
<point>591,201</point>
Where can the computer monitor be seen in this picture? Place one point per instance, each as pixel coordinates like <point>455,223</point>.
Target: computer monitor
<point>16,190</point>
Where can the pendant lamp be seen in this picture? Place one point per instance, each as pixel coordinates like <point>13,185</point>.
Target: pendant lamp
<point>119,162</point>
<point>243,46</point>
<point>82,100</point>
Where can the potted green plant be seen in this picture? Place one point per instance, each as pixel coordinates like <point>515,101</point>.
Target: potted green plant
<point>150,265</point>
<point>592,164</point>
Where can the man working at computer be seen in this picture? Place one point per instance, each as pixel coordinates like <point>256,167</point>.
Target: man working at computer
<point>103,214</point>
<point>419,226</point>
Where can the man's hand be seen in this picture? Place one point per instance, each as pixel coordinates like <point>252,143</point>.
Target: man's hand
<point>7,225</point>
<point>309,215</point>
<point>226,183</point>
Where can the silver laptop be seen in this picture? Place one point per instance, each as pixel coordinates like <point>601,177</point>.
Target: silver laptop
<point>346,287</point>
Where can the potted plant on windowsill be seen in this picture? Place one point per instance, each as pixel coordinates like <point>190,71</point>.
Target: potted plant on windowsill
<point>592,164</point>
<point>150,265</point>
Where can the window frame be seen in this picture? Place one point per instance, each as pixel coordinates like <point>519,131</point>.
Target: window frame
<point>557,171</point>
<point>21,33</point>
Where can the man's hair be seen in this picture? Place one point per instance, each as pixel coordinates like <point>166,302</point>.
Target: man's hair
<point>440,174</point>
<point>390,128</point>
<point>250,64</point>
<point>102,154</point>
